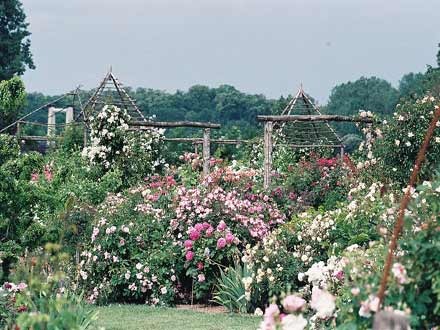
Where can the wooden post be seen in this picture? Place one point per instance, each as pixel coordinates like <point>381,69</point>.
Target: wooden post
<point>267,153</point>
<point>196,148</point>
<point>18,133</point>
<point>85,135</point>
<point>342,152</point>
<point>206,150</point>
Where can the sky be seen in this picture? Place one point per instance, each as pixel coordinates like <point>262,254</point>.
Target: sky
<point>267,47</point>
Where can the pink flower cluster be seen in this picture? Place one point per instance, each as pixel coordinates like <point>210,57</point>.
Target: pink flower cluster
<point>207,230</point>
<point>255,212</point>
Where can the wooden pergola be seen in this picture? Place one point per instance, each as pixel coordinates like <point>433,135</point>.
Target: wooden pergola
<point>271,121</point>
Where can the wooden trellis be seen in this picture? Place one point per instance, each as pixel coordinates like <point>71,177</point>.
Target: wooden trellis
<point>304,134</point>
<point>270,121</point>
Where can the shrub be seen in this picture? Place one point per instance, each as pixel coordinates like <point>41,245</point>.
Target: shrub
<point>9,148</point>
<point>41,299</point>
<point>402,138</point>
<point>129,256</point>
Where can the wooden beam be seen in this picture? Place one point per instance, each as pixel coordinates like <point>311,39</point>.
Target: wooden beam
<point>268,126</point>
<point>36,138</point>
<point>164,124</point>
<point>200,141</point>
<point>314,118</point>
<point>206,151</point>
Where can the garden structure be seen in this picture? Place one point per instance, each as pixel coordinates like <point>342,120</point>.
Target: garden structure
<point>300,125</point>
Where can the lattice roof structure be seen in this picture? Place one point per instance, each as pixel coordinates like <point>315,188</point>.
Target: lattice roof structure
<point>305,134</point>
<point>111,92</point>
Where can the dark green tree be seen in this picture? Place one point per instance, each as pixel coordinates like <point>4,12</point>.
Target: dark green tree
<point>371,94</point>
<point>15,53</point>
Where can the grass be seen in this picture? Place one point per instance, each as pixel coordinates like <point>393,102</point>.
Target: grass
<point>139,317</point>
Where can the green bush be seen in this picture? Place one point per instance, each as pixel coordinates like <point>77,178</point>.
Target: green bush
<point>402,137</point>
<point>9,148</point>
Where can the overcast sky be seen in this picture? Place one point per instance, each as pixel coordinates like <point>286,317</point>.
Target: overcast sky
<point>258,46</point>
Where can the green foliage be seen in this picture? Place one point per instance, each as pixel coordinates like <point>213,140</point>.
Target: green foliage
<point>72,139</point>
<point>15,52</point>
<point>230,289</point>
<point>9,148</point>
<point>12,98</point>
<point>42,300</point>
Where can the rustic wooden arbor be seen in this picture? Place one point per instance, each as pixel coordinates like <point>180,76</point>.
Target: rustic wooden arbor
<point>302,134</point>
<point>206,141</point>
<point>271,121</point>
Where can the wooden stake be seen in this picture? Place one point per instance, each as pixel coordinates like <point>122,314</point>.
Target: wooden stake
<point>18,133</point>
<point>206,151</point>
<point>268,126</point>
<point>85,135</point>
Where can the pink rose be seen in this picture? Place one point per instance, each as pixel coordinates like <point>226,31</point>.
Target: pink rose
<point>221,226</point>
<point>221,243</point>
<point>199,227</point>
<point>206,226</point>
<point>229,238</point>
<point>293,303</point>
<point>201,278</point>
<point>189,255</point>
<point>209,231</point>
<point>271,311</point>
<point>188,244</point>
<point>194,234</point>
<point>200,265</point>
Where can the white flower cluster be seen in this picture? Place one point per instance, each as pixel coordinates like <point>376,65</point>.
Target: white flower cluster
<point>313,232</point>
<point>111,139</point>
<point>324,275</point>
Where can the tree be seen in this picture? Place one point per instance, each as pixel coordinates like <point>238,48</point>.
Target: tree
<point>371,94</point>
<point>15,52</point>
<point>12,99</point>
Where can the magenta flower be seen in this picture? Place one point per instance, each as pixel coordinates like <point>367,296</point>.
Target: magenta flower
<point>206,226</point>
<point>229,238</point>
<point>221,243</point>
<point>200,265</point>
<point>188,244</point>
<point>189,255</point>
<point>194,234</point>
<point>198,227</point>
